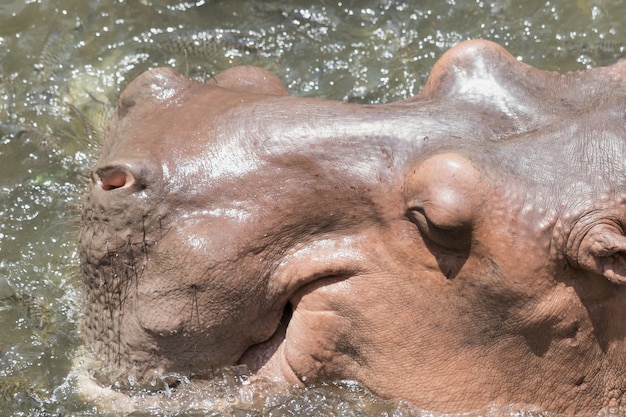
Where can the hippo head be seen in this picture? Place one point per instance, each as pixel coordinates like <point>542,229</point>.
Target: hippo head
<point>461,248</point>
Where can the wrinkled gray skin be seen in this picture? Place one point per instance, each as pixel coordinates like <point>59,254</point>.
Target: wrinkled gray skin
<point>461,248</point>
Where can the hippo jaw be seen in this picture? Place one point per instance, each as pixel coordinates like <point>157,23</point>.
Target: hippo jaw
<point>228,223</point>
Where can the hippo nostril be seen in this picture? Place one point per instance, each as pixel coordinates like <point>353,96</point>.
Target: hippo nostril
<point>111,178</point>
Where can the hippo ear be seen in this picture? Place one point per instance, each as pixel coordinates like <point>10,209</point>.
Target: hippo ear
<point>248,79</point>
<point>603,251</point>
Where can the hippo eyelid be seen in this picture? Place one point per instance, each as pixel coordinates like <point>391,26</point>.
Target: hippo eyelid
<point>418,215</point>
<point>453,238</point>
<point>113,177</point>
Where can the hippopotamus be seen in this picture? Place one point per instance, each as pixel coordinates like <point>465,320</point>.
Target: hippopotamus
<point>457,249</point>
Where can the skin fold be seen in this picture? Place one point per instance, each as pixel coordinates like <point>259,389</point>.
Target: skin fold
<point>461,248</point>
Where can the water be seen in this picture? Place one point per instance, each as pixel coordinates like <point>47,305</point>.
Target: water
<point>62,64</point>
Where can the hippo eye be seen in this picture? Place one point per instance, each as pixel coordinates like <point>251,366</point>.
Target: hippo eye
<point>111,178</point>
<point>457,238</point>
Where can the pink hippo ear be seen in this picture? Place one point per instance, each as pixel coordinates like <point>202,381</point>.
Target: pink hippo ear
<point>603,250</point>
<point>248,79</point>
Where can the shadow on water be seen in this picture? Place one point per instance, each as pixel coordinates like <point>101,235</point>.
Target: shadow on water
<point>62,64</point>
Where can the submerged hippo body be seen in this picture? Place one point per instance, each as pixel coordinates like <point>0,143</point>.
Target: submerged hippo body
<point>458,249</point>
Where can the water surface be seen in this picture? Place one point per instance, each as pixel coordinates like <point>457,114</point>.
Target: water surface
<point>63,62</point>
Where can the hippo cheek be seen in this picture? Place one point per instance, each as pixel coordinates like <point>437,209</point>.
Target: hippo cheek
<point>189,332</point>
<point>180,337</point>
<point>299,352</point>
<point>201,313</point>
<point>315,281</point>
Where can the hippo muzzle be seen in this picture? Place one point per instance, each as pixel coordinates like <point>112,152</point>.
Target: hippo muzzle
<point>460,248</point>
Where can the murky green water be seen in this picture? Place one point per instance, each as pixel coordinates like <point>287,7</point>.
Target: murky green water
<point>63,62</point>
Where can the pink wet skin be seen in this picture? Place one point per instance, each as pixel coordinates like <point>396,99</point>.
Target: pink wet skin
<point>458,249</point>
